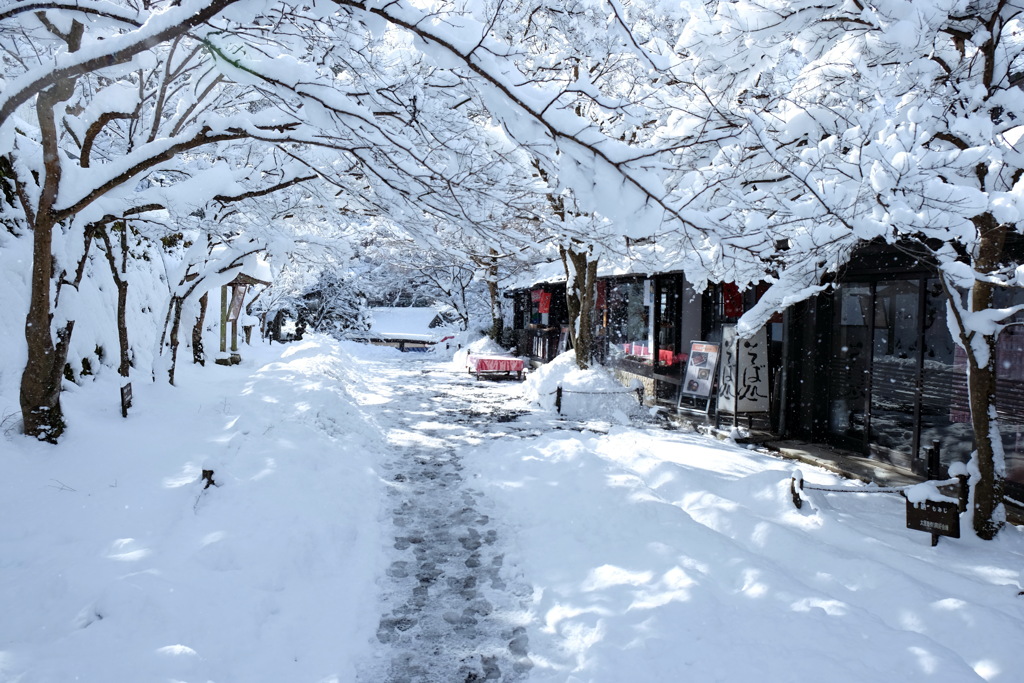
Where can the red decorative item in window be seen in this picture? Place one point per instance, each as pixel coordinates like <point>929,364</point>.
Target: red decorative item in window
<point>732,300</point>
<point>545,302</point>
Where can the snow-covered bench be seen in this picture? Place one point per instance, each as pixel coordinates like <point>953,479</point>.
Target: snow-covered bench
<point>490,364</point>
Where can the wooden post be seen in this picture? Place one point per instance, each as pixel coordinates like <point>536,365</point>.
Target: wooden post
<point>796,485</point>
<point>224,319</point>
<point>126,399</point>
<point>934,460</point>
<point>736,379</point>
<point>558,399</point>
<point>934,470</point>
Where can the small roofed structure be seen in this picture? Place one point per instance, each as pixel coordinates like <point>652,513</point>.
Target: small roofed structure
<point>410,328</point>
<point>232,306</point>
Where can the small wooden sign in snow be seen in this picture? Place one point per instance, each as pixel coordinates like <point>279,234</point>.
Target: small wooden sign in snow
<point>126,399</point>
<point>934,516</point>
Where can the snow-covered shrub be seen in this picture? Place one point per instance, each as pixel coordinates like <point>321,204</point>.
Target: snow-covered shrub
<point>586,394</point>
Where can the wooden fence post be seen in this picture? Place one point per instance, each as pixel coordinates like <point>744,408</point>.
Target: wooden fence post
<point>795,483</point>
<point>965,492</point>
<point>934,461</point>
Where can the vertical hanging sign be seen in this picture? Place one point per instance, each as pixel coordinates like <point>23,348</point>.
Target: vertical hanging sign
<point>743,385</point>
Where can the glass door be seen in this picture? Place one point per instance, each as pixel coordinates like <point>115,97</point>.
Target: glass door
<point>875,378</point>
<point>895,368</point>
<point>850,365</point>
<point>667,321</point>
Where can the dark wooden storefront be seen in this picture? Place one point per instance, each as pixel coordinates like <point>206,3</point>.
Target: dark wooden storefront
<point>869,366</point>
<point>540,322</point>
<point>872,368</point>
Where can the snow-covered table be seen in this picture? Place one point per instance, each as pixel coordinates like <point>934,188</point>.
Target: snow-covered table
<point>484,364</point>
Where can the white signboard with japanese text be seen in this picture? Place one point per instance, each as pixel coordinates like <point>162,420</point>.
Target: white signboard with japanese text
<point>743,385</point>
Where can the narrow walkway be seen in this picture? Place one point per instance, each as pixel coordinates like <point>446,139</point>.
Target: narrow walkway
<point>451,614</point>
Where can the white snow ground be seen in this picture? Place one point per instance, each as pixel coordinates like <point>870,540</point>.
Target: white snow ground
<point>645,555</point>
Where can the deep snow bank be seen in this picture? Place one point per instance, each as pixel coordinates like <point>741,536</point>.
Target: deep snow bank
<point>659,556</point>
<point>119,566</point>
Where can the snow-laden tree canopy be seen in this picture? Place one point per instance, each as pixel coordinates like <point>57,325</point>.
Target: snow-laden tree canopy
<point>765,140</point>
<point>173,117</point>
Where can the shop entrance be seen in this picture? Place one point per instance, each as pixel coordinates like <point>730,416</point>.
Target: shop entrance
<point>894,381</point>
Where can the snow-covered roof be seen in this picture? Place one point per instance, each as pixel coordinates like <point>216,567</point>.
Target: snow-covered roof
<point>412,323</point>
<point>642,259</point>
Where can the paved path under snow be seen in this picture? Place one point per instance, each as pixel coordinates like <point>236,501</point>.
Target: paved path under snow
<point>451,612</point>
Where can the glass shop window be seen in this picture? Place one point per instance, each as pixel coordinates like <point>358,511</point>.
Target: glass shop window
<point>668,316</point>
<point>629,312</point>
<point>540,307</point>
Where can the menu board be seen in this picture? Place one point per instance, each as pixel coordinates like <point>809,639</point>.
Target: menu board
<point>700,369</point>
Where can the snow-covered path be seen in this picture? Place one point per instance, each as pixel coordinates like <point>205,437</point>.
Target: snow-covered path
<point>450,614</point>
<point>383,518</point>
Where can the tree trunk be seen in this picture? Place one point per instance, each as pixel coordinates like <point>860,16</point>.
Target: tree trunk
<point>497,330</point>
<point>989,515</point>
<point>42,416</point>
<point>198,354</point>
<point>41,412</point>
<point>124,349</point>
<point>580,291</point>
<point>177,303</point>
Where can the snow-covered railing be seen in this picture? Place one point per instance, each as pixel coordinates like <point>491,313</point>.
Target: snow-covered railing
<point>928,509</point>
<point>559,391</point>
<point>797,485</point>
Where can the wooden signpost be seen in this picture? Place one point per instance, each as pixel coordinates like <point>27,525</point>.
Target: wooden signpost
<point>126,399</point>
<point>939,518</point>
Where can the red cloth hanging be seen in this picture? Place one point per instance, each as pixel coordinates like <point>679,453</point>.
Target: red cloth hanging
<point>545,302</point>
<point>732,300</point>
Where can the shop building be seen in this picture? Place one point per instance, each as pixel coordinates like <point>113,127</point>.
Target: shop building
<point>868,367</point>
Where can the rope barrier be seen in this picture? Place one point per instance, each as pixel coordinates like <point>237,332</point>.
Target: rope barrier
<point>593,393</point>
<point>847,489</point>
<point>952,481</point>
<point>951,528</point>
<point>559,391</point>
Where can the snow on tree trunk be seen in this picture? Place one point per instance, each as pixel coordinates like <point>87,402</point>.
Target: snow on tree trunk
<point>198,353</point>
<point>497,329</point>
<point>580,289</point>
<point>41,412</point>
<point>989,463</point>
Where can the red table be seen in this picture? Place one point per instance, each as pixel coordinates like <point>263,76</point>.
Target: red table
<point>482,364</point>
